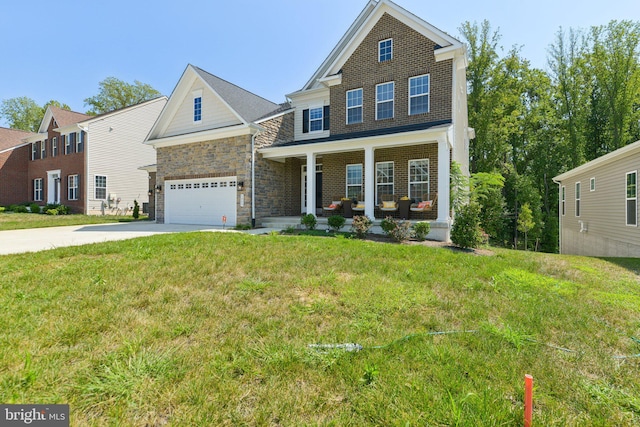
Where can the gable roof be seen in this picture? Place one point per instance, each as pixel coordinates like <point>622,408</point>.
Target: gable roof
<point>62,117</point>
<point>11,138</point>
<point>364,23</point>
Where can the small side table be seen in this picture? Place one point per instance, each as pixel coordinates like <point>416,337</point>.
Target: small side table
<point>403,208</point>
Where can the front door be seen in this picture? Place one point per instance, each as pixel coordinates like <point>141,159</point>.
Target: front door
<point>53,187</point>
<point>318,189</point>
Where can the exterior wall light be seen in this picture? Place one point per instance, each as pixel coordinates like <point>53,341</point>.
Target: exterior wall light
<point>240,185</point>
<point>158,188</point>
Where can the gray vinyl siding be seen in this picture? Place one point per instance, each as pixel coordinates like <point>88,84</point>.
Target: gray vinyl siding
<point>602,212</point>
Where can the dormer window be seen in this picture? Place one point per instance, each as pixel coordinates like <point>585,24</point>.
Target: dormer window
<point>197,106</point>
<point>385,50</point>
<point>315,119</point>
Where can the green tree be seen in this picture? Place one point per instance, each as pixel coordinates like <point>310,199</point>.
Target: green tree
<point>22,113</point>
<point>115,94</point>
<point>525,222</point>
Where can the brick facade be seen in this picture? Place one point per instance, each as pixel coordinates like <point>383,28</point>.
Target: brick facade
<point>14,184</point>
<point>413,55</point>
<point>222,157</point>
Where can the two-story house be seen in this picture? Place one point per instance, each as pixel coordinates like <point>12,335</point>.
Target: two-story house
<point>91,163</point>
<point>14,157</point>
<point>385,114</point>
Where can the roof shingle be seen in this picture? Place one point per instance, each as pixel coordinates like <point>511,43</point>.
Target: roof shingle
<point>11,137</point>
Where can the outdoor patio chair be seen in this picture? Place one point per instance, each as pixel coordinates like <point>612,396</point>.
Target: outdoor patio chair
<point>334,206</point>
<point>425,205</point>
<point>358,206</point>
<point>389,203</point>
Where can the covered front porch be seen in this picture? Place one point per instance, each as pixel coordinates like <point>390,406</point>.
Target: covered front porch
<point>407,168</point>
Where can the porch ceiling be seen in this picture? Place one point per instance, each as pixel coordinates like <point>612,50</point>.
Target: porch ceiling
<point>425,136</point>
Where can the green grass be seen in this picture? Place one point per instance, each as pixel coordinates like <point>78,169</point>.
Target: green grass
<point>214,329</point>
<point>19,221</point>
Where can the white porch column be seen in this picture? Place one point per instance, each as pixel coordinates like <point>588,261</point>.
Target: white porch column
<point>311,183</point>
<point>369,182</point>
<point>444,177</point>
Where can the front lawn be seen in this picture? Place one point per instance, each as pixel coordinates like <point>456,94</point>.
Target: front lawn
<point>18,221</point>
<point>215,328</point>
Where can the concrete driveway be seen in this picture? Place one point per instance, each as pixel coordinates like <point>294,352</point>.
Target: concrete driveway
<point>39,239</point>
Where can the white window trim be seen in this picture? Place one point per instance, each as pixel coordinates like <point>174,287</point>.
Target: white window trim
<point>321,119</point>
<point>37,198</point>
<point>392,100</point>
<point>393,180</point>
<point>379,49</point>
<point>578,196</point>
<point>428,95</point>
<point>347,178</point>
<point>95,187</point>
<point>428,181</point>
<point>43,149</point>
<point>69,187</point>
<point>54,146</point>
<point>196,94</point>
<point>67,145</point>
<point>33,151</point>
<point>78,138</point>
<point>361,106</point>
<point>626,199</point>
<point>592,184</point>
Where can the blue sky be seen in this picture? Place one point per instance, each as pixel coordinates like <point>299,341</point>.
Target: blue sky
<point>61,50</point>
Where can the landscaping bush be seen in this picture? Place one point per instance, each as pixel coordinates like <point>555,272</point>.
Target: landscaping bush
<point>309,221</point>
<point>136,210</point>
<point>34,208</point>
<point>336,222</point>
<point>360,226</point>
<point>421,230</point>
<point>2,208</point>
<point>466,231</point>
<point>62,209</point>
<point>18,208</point>
<point>400,231</point>
<point>51,211</point>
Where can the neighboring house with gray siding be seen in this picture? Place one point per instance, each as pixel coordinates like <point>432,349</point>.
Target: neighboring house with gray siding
<point>598,206</point>
<point>383,116</point>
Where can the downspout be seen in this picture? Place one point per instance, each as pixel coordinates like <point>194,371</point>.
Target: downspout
<point>253,178</point>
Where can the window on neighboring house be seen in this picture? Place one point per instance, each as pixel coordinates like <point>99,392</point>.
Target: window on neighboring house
<point>577,199</point>
<point>64,140</point>
<point>385,50</point>
<point>70,143</point>
<point>384,180</point>
<point>197,109</point>
<point>354,106</point>
<point>35,150</point>
<point>80,142</point>
<point>72,187</point>
<point>632,198</point>
<point>315,119</point>
<point>54,146</point>
<point>37,190</point>
<point>384,101</point>
<point>592,184</point>
<point>419,94</point>
<point>419,179</point>
<point>354,181</point>
<point>43,149</point>
<point>564,199</point>
<point>101,187</point>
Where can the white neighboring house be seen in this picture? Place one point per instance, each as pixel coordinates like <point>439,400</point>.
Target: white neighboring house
<point>599,206</point>
<point>91,163</point>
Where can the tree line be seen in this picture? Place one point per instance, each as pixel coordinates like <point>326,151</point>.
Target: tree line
<point>24,113</point>
<point>534,124</point>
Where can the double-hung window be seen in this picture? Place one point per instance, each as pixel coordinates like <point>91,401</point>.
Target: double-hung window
<point>354,106</point>
<point>315,119</point>
<point>419,94</point>
<point>632,198</point>
<point>66,140</point>
<point>37,189</point>
<point>578,195</point>
<point>354,181</point>
<point>72,187</point>
<point>384,100</point>
<point>80,142</point>
<point>419,179</point>
<point>384,180</point>
<point>54,146</point>
<point>34,150</point>
<point>385,50</point>
<point>101,187</point>
<point>43,149</point>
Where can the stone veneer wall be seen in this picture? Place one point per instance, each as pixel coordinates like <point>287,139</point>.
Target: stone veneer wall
<point>413,55</point>
<point>222,157</point>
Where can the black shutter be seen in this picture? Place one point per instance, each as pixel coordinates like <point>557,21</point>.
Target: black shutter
<point>325,124</point>
<point>305,121</point>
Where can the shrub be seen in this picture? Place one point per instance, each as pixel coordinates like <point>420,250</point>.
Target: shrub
<point>336,222</point>
<point>52,211</point>
<point>136,209</point>
<point>360,226</point>
<point>466,231</point>
<point>400,231</point>
<point>18,208</point>
<point>2,208</point>
<point>309,221</point>
<point>34,208</point>
<point>421,230</point>
<point>62,209</point>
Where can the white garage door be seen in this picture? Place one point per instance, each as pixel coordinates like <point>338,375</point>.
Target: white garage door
<point>201,201</point>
